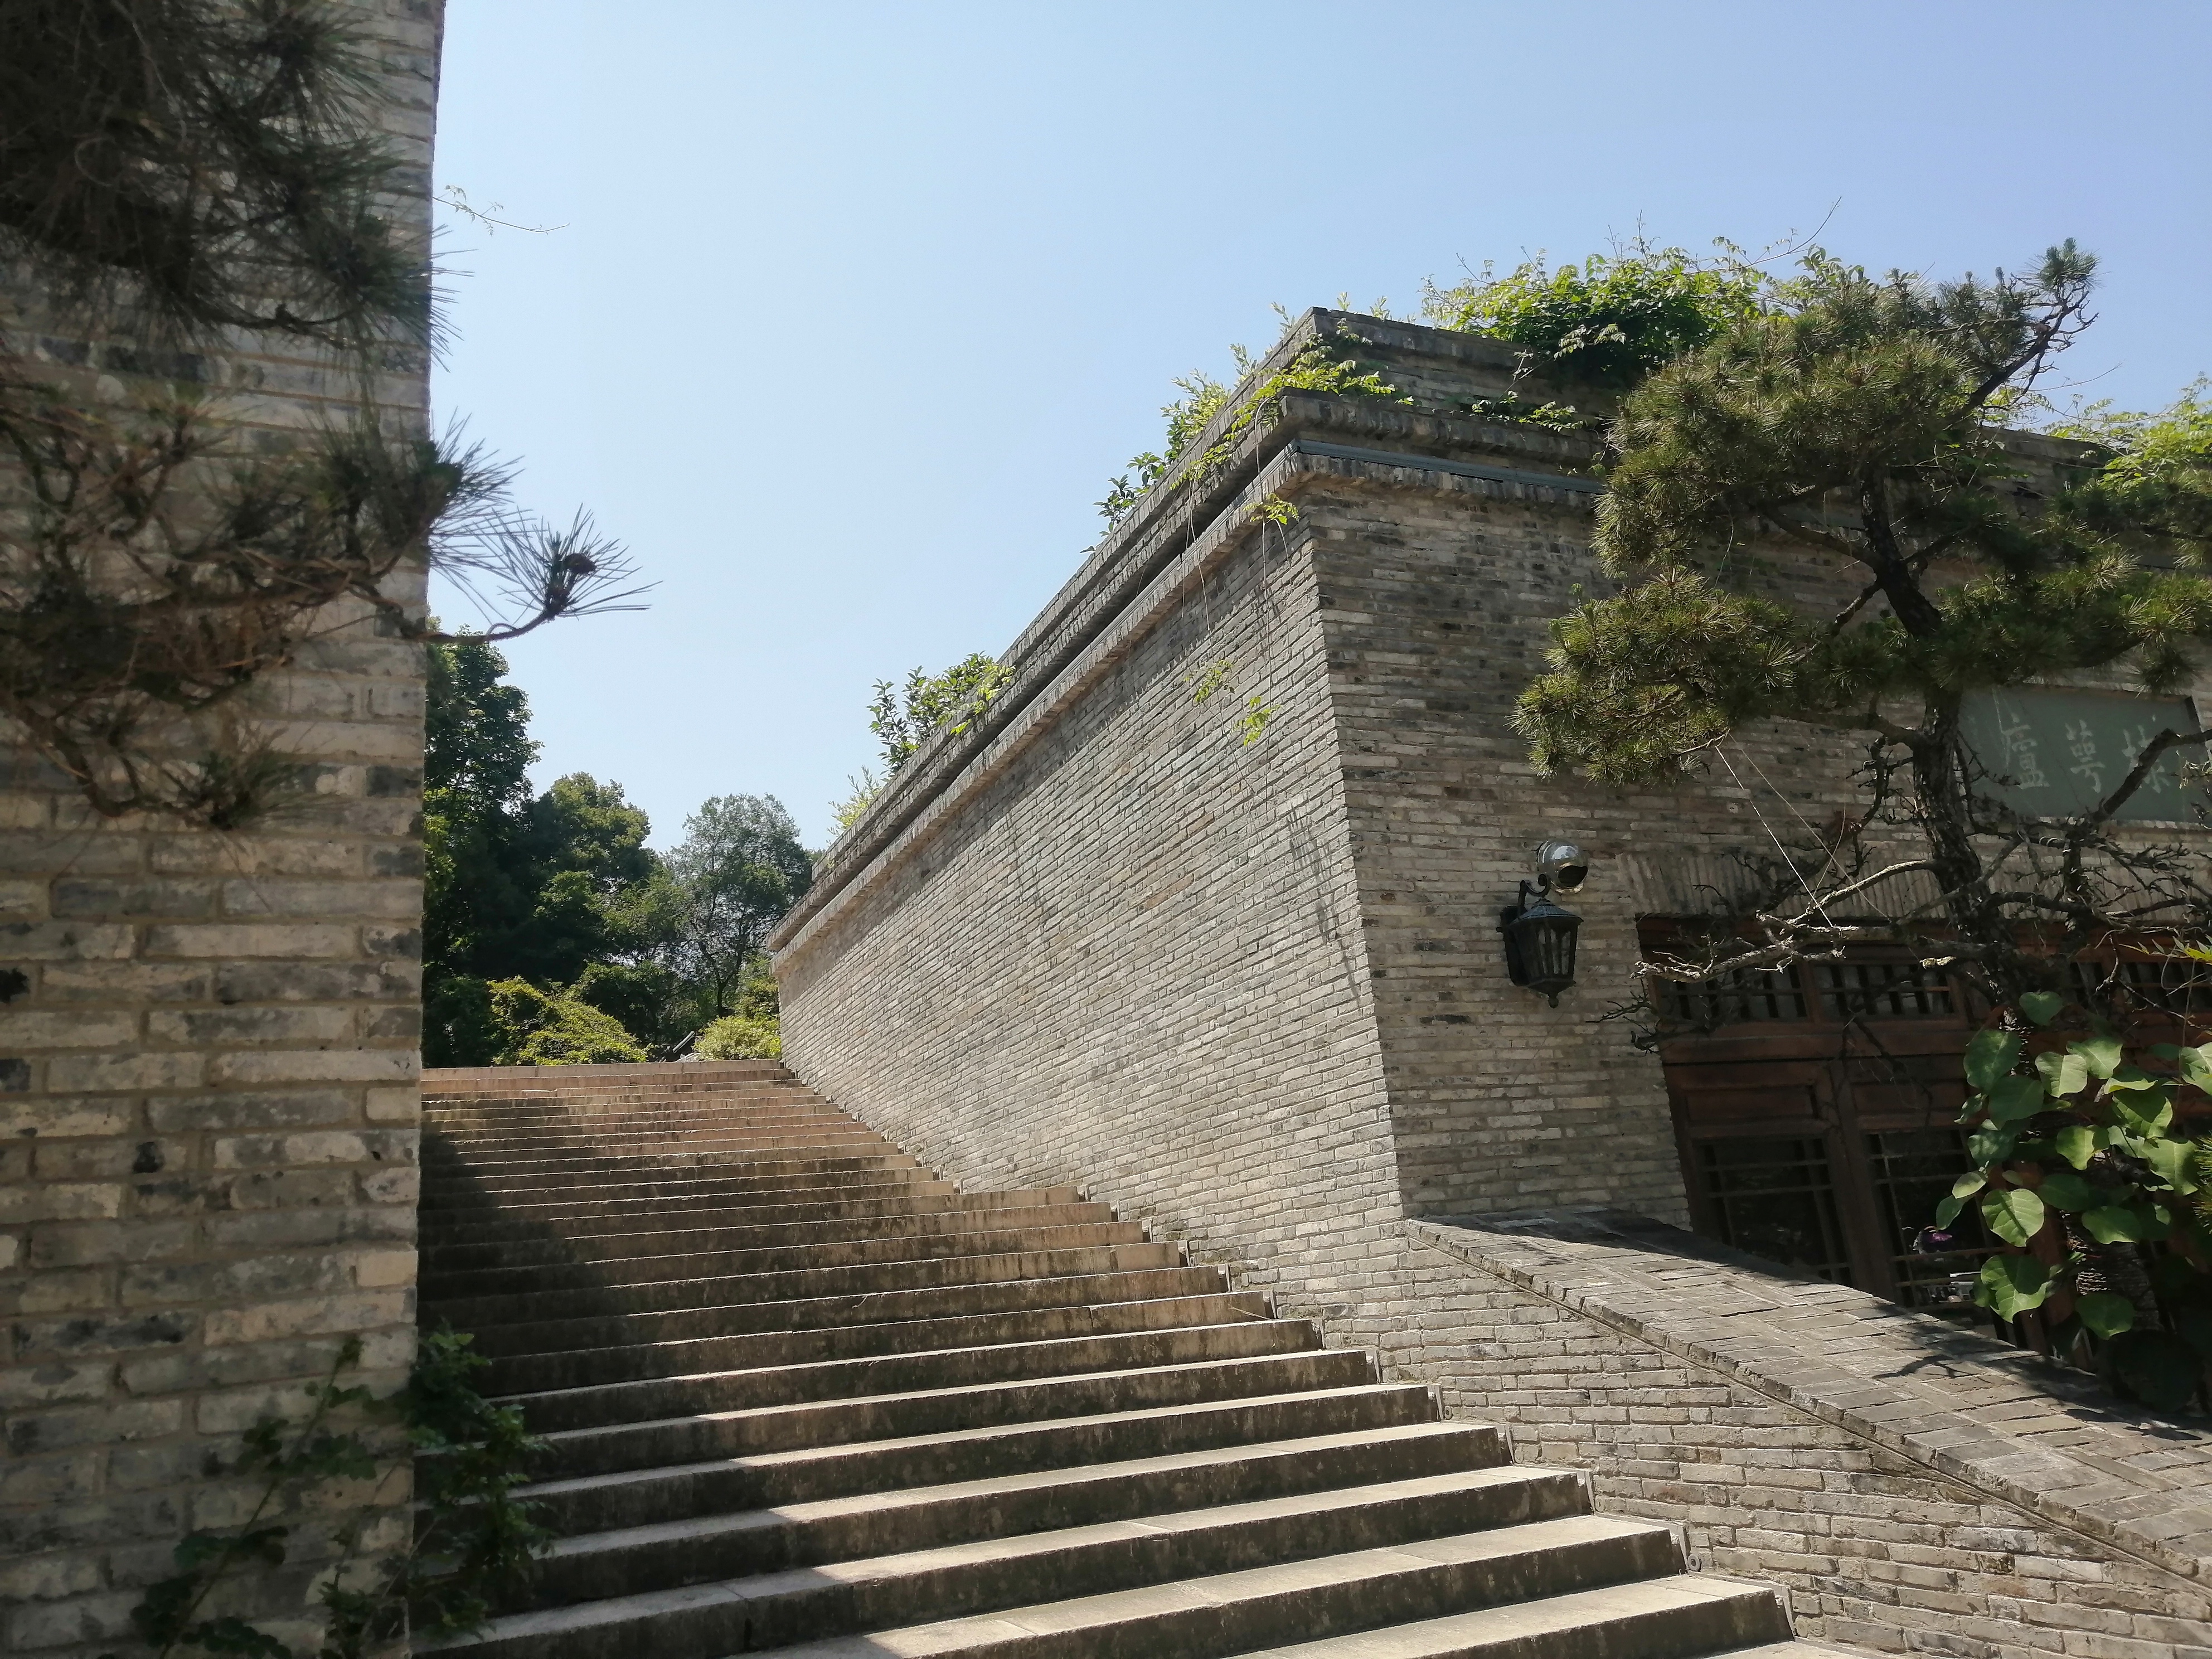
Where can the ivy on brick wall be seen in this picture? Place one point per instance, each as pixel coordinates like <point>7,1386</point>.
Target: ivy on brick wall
<point>470,1539</point>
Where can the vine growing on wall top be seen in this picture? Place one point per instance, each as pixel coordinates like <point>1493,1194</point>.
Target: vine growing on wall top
<point>1318,368</point>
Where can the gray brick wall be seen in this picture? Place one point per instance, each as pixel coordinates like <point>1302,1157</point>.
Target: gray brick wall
<point>207,1104</point>
<point>1253,995</point>
<point>1917,1488</point>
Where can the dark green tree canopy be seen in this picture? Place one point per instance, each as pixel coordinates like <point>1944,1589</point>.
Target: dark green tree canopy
<point>551,905</point>
<point>581,825</point>
<point>739,871</point>
<point>476,739</point>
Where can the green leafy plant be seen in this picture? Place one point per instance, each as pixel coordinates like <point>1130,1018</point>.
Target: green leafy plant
<point>905,718</point>
<point>861,789</point>
<point>473,1539</point>
<point>1611,319</point>
<point>2083,1169</point>
<point>1318,368</point>
<point>553,1028</point>
<point>740,1036</point>
<point>1212,678</point>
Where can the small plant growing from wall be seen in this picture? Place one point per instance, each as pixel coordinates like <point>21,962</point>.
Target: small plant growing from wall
<point>472,1540</point>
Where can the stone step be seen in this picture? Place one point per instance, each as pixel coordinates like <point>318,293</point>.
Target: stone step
<point>488,1135</point>
<point>766,1145</point>
<point>467,1190</point>
<point>688,1236</point>
<point>677,1211</point>
<point>1370,1414</point>
<point>671,1553</point>
<point>888,1277</point>
<point>606,1449</point>
<point>580,1153</point>
<point>797,1394</point>
<point>796,1159</point>
<point>1676,1617</point>
<point>733,1192</point>
<point>657,1398</point>
<point>1208,1582</point>
<point>552,1340</point>
<point>441,1282</point>
<point>542,1373</point>
<point>819,1174</point>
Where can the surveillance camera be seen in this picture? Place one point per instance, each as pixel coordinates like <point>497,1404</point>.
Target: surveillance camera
<point>1562,865</point>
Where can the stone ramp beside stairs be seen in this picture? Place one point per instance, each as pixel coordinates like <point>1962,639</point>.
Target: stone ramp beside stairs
<point>802,1397</point>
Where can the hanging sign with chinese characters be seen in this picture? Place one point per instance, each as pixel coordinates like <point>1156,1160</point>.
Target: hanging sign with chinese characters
<point>2056,754</point>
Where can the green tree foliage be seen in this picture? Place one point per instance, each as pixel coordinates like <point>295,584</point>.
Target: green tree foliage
<point>553,934</point>
<point>752,1029</point>
<point>905,718</point>
<point>1861,420</point>
<point>517,887</point>
<point>2157,479</point>
<point>1322,366</point>
<point>477,757</point>
<point>551,1028</point>
<point>737,872</point>
<point>2101,1195</point>
<point>1610,321</point>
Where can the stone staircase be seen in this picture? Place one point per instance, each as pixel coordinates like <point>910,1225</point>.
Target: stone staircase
<point>801,1396</point>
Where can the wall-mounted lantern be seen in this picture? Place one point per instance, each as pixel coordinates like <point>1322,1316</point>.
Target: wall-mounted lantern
<point>1540,934</point>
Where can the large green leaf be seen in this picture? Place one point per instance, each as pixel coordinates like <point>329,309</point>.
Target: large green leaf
<point>2011,1285</point>
<point>2062,1074</point>
<point>2100,1054</point>
<point>2173,1161</point>
<point>2196,1066</point>
<point>1989,1056</point>
<point>2157,1367</point>
<point>2042,1006</point>
<point>2076,1144</point>
<point>2144,1113</point>
<point>2106,1312</point>
<point>2016,1099</point>
<point>2062,1189</point>
<point>2013,1214</point>
<point>1961,1189</point>
<point>2127,1223</point>
<point>1991,1145</point>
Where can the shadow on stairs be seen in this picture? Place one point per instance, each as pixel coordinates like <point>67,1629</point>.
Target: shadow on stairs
<point>802,1397</point>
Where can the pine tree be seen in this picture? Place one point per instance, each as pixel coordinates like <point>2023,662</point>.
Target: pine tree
<point>1863,422</point>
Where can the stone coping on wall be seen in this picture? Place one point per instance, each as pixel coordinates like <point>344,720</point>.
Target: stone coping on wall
<point>474,1078</point>
<point>941,776</point>
<point>2020,1428</point>
<point>1126,560</point>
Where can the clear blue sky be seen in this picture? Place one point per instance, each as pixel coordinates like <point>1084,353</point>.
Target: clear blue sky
<point>856,306</point>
